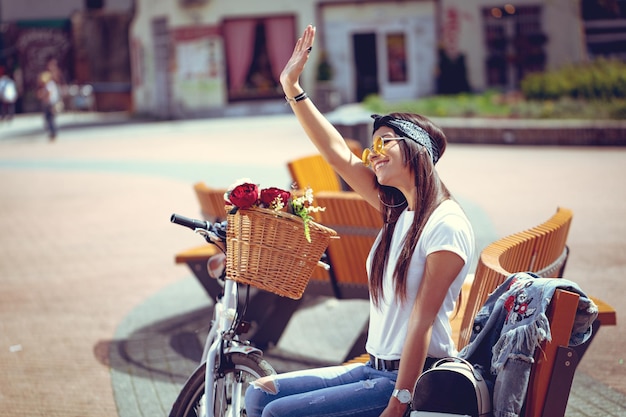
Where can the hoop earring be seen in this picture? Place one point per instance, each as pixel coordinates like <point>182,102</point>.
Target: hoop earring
<point>391,205</point>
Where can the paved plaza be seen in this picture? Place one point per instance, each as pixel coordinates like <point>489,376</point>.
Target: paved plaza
<point>96,319</point>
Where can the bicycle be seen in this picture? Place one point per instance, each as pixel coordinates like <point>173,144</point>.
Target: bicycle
<point>229,362</point>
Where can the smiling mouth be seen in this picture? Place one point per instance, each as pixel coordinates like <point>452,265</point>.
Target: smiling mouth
<point>379,165</point>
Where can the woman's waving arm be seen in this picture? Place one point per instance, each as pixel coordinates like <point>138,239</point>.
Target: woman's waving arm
<point>322,133</point>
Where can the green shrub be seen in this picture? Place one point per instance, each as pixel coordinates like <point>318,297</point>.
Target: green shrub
<point>493,104</point>
<point>594,90</point>
<point>601,79</point>
<point>458,105</point>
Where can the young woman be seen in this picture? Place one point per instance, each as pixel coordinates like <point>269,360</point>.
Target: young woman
<point>416,266</point>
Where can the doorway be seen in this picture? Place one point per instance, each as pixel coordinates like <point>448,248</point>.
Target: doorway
<point>365,64</point>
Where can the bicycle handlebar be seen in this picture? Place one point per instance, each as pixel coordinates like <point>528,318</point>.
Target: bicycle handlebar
<point>212,232</point>
<point>190,223</point>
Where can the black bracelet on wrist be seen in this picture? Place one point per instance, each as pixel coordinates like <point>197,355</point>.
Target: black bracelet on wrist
<point>299,97</point>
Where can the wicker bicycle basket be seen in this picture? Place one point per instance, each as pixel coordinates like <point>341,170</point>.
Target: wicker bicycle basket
<point>268,250</point>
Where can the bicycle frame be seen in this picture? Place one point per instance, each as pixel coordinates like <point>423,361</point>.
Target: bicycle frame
<point>225,312</point>
<point>222,343</point>
<point>224,316</point>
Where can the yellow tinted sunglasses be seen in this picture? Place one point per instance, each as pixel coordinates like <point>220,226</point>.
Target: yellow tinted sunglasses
<point>377,148</point>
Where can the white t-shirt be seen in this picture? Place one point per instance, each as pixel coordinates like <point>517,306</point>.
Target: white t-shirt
<point>447,229</point>
<point>53,92</point>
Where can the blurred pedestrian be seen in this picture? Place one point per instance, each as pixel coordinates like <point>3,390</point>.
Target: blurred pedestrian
<point>49,96</point>
<point>8,97</point>
<point>52,66</point>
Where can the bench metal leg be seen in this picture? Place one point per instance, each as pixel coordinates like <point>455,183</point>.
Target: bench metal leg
<point>271,313</point>
<point>581,349</point>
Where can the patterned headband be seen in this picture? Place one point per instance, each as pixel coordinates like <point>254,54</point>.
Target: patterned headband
<point>409,130</point>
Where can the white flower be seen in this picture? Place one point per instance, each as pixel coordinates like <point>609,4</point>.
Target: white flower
<point>308,195</point>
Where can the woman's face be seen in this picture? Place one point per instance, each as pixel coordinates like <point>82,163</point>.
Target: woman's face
<point>388,165</point>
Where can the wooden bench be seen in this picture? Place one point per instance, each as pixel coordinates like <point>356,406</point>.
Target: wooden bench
<point>542,250</point>
<point>555,363</point>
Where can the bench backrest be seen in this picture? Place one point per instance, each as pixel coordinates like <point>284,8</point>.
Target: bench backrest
<point>314,172</point>
<point>357,224</point>
<point>211,201</point>
<point>542,250</point>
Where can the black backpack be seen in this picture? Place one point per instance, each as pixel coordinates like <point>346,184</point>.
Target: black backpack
<point>452,386</point>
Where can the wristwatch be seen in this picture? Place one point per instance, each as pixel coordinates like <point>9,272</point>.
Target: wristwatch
<point>402,395</point>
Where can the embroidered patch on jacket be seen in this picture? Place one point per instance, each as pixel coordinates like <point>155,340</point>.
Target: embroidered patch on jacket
<point>517,305</point>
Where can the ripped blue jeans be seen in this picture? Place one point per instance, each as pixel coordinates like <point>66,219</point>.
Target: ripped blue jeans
<point>352,390</point>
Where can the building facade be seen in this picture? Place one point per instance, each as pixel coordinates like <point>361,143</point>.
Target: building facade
<point>195,57</point>
<point>188,58</point>
<point>208,56</point>
<point>502,42</point>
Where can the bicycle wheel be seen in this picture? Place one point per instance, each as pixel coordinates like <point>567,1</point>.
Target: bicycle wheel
<point>240,371</point>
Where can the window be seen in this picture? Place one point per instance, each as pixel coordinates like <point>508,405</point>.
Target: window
<point>256,51</point>
<point>514,42</point>
<point>396,58</point>
<point>605,27</point>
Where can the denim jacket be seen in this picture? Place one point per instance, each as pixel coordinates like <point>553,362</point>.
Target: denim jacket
<point>508,328</point>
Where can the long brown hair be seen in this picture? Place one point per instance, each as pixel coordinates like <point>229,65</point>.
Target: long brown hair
<point>431,191</point>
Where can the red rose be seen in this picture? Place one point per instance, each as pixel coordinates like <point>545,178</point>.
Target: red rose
<point>244,196</point>
<point>269,195</point>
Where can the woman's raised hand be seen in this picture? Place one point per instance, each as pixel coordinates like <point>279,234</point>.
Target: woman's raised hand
<point>289,77</point>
